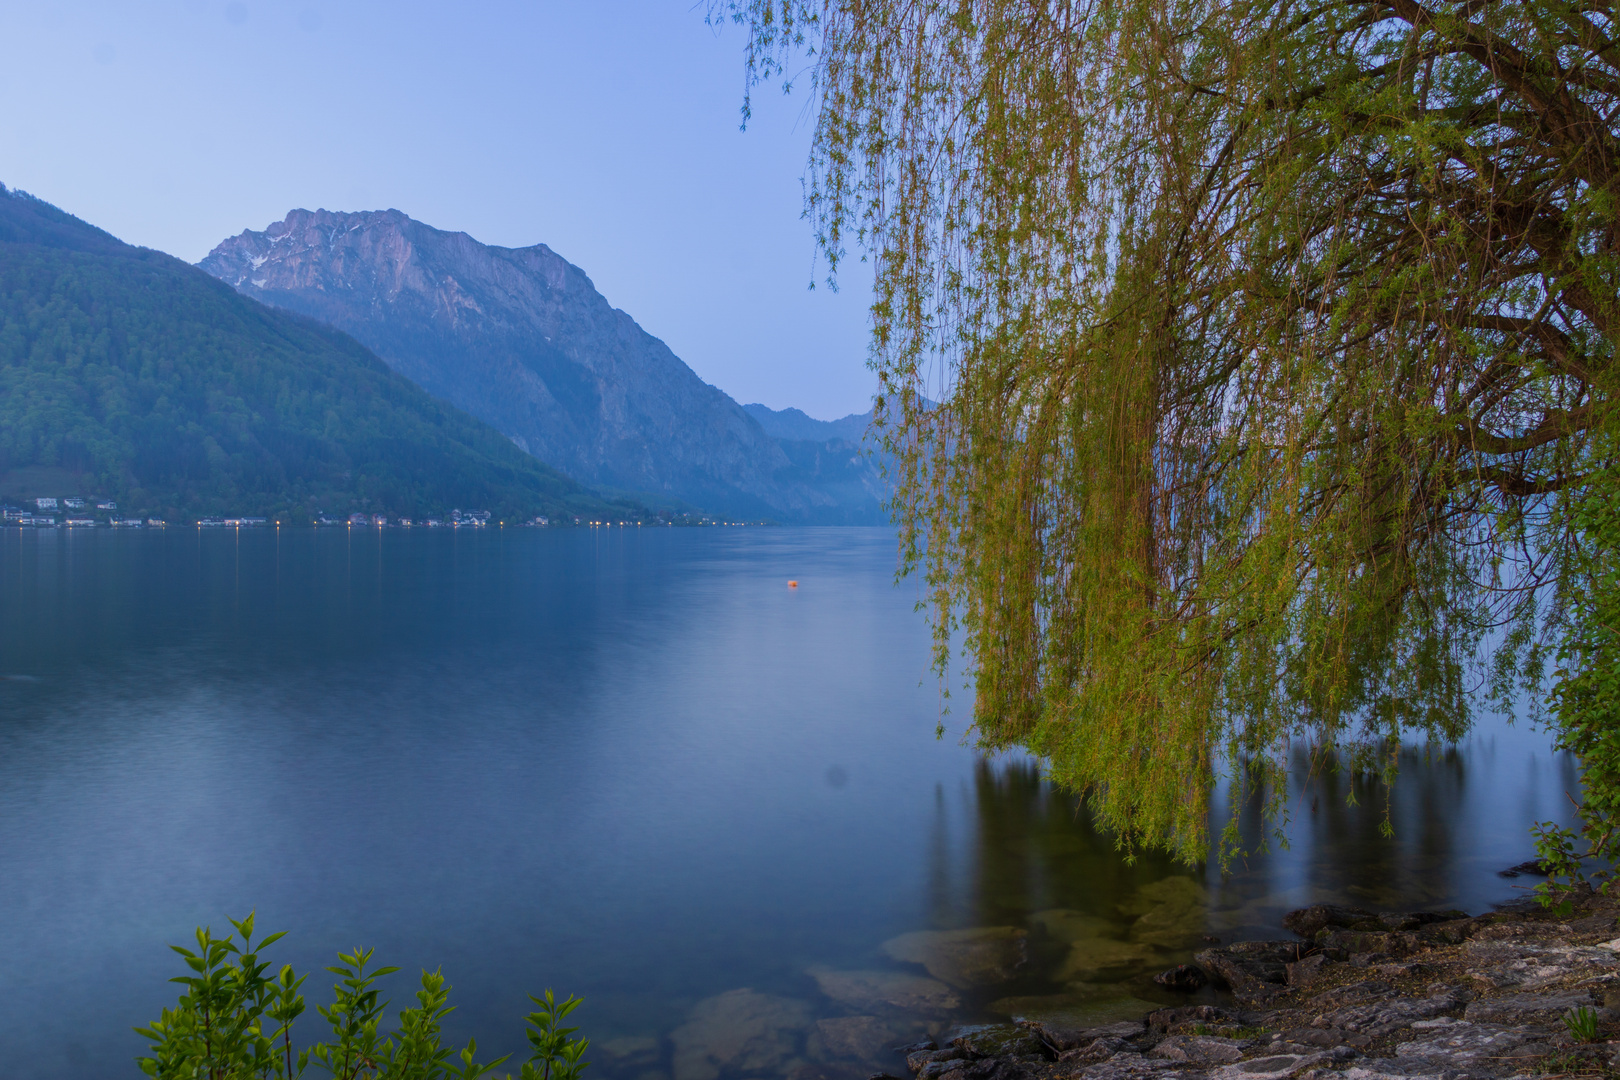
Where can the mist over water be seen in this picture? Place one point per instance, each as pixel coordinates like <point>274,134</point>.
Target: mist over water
<point>631,765</point>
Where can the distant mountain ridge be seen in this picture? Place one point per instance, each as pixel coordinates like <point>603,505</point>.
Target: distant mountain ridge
<point>798,426</point>
<point>520,338</point>
<point>128,374</point>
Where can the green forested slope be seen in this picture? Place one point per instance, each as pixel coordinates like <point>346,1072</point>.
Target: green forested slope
<point>127,374</point>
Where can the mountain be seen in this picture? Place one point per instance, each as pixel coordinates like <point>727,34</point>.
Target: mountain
<point>836,457</point>
<point>795,425</point>
<point>520,338</point>
<point>127,374</point>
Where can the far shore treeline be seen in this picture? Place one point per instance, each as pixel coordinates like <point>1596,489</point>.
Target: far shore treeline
<point>127,375</point>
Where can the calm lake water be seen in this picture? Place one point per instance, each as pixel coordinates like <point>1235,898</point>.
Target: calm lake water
<point>630,765</point>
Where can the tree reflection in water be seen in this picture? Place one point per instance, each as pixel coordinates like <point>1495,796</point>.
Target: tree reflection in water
<point>1436,838</point>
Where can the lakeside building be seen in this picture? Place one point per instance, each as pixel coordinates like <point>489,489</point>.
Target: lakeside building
<point>44,503</point>
<point>73,503</point>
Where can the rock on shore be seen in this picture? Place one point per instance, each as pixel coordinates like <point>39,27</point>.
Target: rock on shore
<point>1355,995</point>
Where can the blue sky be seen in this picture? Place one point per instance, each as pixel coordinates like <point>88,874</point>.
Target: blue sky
<point>607,129</point>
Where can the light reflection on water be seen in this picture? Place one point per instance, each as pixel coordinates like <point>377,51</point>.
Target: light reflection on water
<point>633,766</point>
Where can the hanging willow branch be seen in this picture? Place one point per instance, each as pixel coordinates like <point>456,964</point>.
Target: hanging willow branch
<point>1266,338</point>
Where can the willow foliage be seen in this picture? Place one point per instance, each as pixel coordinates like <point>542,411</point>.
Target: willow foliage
<point>1265,335</point>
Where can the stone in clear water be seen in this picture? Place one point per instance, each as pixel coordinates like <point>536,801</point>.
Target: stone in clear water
<point>1090,957</point>
<point>1170,912</point>
<point>869,990</point>
<point>1066,924</point>
<point>861,1038</point>
<point>739,1031</point>
<point>1074,1010</point>
<point>626,1053</point>
<point>979,956</point>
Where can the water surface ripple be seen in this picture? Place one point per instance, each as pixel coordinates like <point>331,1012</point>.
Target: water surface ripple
<point>632,765</point>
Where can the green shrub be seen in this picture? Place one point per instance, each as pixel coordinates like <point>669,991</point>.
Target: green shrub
<point>234,1022</point>
<point>1586,697</point>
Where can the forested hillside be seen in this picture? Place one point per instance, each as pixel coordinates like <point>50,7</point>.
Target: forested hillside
<point>520,338</point>
<point>127,374</point>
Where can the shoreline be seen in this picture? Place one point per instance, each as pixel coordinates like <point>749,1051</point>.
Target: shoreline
<point>1352,994</point>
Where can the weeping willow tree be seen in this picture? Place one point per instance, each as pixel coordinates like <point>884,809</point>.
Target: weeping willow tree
<point>1241,357</point>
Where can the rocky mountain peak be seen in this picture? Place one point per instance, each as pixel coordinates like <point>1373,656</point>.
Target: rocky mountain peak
<point>520,338</point>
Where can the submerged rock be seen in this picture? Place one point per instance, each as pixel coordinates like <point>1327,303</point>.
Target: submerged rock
<point>979,956</point>
<point>1076,1012</point>
<point>1532,866</point>
<point>878,990</point>
<point>863,1038</point>
<point>1170,912</point>
<point>739,1031</point>
<point>627,1054</point>
<point>1066,924</point>
<point>1091,957</point>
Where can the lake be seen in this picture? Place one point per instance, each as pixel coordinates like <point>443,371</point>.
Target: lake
<point>632,765</point>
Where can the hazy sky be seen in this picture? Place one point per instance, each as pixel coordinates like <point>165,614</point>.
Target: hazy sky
<point>607,129</point>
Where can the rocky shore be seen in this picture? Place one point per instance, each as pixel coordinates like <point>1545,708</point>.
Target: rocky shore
<point>1352,994</point>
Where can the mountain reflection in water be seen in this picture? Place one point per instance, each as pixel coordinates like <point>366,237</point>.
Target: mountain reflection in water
<point>632,766</point>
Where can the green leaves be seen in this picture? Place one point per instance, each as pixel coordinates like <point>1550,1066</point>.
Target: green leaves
<point>554,1056</point>
<point>218,1028</point>
<point>1240,359</point>
<point>235,1023</point>
<point>1586,698</point>
<point>1582,1023</point>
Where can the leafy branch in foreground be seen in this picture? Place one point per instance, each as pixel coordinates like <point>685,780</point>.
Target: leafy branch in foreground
<point>1586,700</point>
<point>1269,339</point>
<point>234,1022</point>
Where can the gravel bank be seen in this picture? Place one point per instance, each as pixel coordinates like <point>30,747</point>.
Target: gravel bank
<point>1352,994</point>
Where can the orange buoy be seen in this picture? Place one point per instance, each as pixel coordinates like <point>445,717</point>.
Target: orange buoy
<point>793,584</point>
